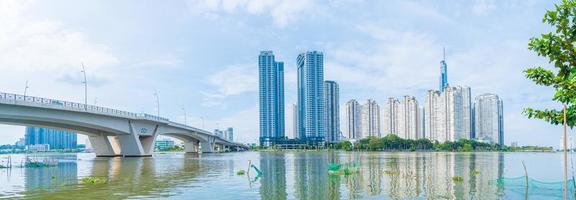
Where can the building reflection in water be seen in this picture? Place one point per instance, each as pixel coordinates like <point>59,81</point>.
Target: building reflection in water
<point>48,178</point>
<point>394,175</point>
<point>273,180</point>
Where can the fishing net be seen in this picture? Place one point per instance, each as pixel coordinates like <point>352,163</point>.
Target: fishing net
<point>534,189</point>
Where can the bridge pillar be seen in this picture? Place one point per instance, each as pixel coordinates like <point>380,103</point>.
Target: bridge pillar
<point>191,146</point>
<point>104,145</point>
<point>131,145</point>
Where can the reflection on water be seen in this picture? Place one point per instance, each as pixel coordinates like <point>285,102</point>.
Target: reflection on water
<point>286,175</point>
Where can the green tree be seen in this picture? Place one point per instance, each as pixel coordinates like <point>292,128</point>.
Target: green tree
<point>558,47</point>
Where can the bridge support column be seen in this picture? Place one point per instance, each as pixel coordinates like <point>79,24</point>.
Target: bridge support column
<point>131,145</point>
<point>191,146</point>
<point>104,146</point>
<point>207,147</point>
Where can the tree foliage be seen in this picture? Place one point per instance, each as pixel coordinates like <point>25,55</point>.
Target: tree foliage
<point>559,47</point>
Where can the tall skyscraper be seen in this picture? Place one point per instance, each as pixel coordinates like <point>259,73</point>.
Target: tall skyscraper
<point>488,109</point>
<point>331,95</point>
<point>443,72</point>
<point>453,114</point>
<point>390,116</point>
<point>56,139</point>
<point>311,110</point>
<point>353,119</point>
<point>370,119</point>
<point>271,88</point>
<point>408,118</point>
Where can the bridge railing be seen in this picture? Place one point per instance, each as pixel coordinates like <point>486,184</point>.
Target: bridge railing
<point>7,98</point>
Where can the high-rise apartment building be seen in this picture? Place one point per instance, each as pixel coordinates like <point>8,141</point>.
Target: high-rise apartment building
<point>55,139</point>
<point>331,95</point>
<point>489,118</point>
<point>433,130</point>
<point>353,119</point>
<point>448,114</point>
<point>370,119</point>
<point>390,117</point>
<point>271,89</point>
<point>311,108</point>
<point>409,118</point>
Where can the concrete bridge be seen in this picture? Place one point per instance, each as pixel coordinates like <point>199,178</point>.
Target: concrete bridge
<point>111,132</point>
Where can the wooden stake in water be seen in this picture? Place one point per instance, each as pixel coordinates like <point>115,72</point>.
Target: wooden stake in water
<point>565,159</point>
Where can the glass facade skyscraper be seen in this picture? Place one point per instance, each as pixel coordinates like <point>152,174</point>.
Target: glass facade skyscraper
<point>56,139</point>
<point>443,73</point>
<point>332,95</point>
<point>311,110</point>
<point>271,89</point>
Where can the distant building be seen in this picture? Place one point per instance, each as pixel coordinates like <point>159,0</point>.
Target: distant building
<point>331,96</point>
<point>163,144</point>
<point>271,91</point>
<point>353,119</point>
<point>448,114</point>
<point>433,109</point>
<point>489,115</point>
<point>230,134</point>
<point>311,108</point>
<point>219,133</point>
<point>21,143</point>
<point>56,139</point>
<point>409,118</point>
<point>370,119</point>
<point>38,147</point>
<point>443,73</point>
<point>294,121</point>
<point>390,116</point>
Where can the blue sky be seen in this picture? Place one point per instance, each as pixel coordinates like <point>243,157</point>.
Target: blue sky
<point>201,55</point>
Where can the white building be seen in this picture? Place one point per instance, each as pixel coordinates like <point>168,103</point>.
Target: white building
<point>408,121</point>
<point>370,119</point>
<point>448,115</point>
<point>353,119</point>
<point>489,118</point>
<point>390,124</point>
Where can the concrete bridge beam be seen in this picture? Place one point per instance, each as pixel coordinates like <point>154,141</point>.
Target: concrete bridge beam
<point>192,146</point>
<point>104,145</point>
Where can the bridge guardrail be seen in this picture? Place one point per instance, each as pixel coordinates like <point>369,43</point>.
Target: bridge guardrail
<point>15,99</point>
<point>8,98</point>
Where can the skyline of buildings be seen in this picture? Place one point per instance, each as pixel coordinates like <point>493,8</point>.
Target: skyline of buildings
<point>271,90</point>
<point>447,114</point>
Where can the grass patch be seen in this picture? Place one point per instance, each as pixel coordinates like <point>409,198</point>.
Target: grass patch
<point>458,179</point>
<point>93,180</point>
<point>391,172</point>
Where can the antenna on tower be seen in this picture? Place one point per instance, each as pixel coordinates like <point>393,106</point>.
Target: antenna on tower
<point>444,53</point>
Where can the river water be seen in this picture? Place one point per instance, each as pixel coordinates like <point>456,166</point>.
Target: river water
<point>285,175</point>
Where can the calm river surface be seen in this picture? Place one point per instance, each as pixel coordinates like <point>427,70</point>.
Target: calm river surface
<point>286,175</point>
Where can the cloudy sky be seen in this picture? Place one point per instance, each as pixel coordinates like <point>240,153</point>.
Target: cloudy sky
<point>201,55</point>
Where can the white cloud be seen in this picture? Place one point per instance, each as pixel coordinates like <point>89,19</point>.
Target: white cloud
<point>28,44</point>
<point>283,12</point>
<point>235,79</point>
<point>483,7</point>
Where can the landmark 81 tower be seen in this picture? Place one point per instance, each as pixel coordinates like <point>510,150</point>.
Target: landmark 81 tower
<point>443,72</point>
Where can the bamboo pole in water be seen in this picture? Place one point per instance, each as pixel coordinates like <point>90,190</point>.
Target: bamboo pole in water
<point>565,159</point>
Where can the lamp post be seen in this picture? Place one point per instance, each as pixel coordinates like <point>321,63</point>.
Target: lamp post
<point>185,117</point>
<point>85,88</point>
<point>25,90</point>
